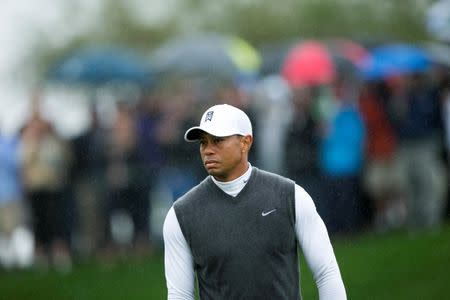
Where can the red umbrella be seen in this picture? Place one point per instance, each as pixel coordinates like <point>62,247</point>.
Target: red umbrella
<point>308,63</point>
<point>350,50</point>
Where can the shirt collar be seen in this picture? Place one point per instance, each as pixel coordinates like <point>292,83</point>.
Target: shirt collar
<point>233,187</point>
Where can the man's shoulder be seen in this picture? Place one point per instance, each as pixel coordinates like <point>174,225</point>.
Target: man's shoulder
<point>270,176</point>
<point>193,194</point>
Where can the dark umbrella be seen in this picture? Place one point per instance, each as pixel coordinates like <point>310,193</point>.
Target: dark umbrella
<point>273,55</point>
<point>207,55</point>
<point>101,65</point>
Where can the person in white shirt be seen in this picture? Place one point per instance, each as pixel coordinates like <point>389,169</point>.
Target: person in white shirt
<point>238,231</point>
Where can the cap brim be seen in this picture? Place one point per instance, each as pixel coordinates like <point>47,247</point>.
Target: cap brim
<point>193,134</point>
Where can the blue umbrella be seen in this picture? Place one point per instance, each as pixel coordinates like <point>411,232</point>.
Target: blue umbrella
<point>100,65</point>
<point>394,59</point>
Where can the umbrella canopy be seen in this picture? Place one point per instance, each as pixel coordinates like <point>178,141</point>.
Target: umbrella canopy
<point>308,63</point>
<point>273,55</point>
<point>438,20</point>
<point>100,65</point>
<point>207,55</point>
<point>439,53</point>
<point>394,59</point>
<point>348,49</point>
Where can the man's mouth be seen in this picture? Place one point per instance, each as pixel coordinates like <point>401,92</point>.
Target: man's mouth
<point>211,163</point>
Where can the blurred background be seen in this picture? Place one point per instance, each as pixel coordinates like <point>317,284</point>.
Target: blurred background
<point>349,98</point>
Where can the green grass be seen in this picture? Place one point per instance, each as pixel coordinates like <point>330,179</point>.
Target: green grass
<point>394,266</point>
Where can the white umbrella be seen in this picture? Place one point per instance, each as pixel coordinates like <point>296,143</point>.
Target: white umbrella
<point>438,20</point>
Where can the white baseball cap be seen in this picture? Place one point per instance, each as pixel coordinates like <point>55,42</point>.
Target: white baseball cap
<point>221,120</point>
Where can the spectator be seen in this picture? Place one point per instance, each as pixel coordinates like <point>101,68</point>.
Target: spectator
<point>415,115</point>
<point>380,178</point>
<point>12,208</point>
<point>89,182</point>
<point>272,107</point>
<point>181,170</point>
<point>126,184</point>
<point>441,89</point>
<point>302,142</point>
<point>341,158</point>
<point>46,162</point>
<point>148,122</point>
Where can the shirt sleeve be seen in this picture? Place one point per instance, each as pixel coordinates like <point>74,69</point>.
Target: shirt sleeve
<point>315,243</point>
<point>178,262</point>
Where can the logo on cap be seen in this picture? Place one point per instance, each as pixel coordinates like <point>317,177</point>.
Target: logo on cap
<point>209,116</point>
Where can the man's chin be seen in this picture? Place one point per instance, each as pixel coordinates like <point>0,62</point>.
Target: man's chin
<point>214,172</point>
<point>211,171</point>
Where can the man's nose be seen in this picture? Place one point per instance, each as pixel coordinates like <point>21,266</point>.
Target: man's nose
<point>208,148</point>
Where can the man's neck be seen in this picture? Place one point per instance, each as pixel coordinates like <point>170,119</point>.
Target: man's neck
<point>233,187</point>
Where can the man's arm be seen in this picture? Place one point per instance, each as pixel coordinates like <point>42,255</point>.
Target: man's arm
<point>315,243</point>
<point>178,262</point>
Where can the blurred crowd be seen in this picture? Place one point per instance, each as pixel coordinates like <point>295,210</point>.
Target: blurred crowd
<point>372,153</point>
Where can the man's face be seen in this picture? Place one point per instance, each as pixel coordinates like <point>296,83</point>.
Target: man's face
<point>225,158</point>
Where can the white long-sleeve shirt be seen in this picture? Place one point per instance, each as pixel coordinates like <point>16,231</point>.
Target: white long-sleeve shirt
<point>311,234</point>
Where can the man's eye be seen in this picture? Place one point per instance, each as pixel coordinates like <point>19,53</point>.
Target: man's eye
<point>217,140</point>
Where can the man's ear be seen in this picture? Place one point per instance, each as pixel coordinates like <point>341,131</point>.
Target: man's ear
<point>247,143</point>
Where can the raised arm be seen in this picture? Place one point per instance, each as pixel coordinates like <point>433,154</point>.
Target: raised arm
<point>317,249</point>
<point>178,262</point>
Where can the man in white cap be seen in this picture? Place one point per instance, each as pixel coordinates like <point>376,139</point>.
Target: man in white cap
<point>238,230</point>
